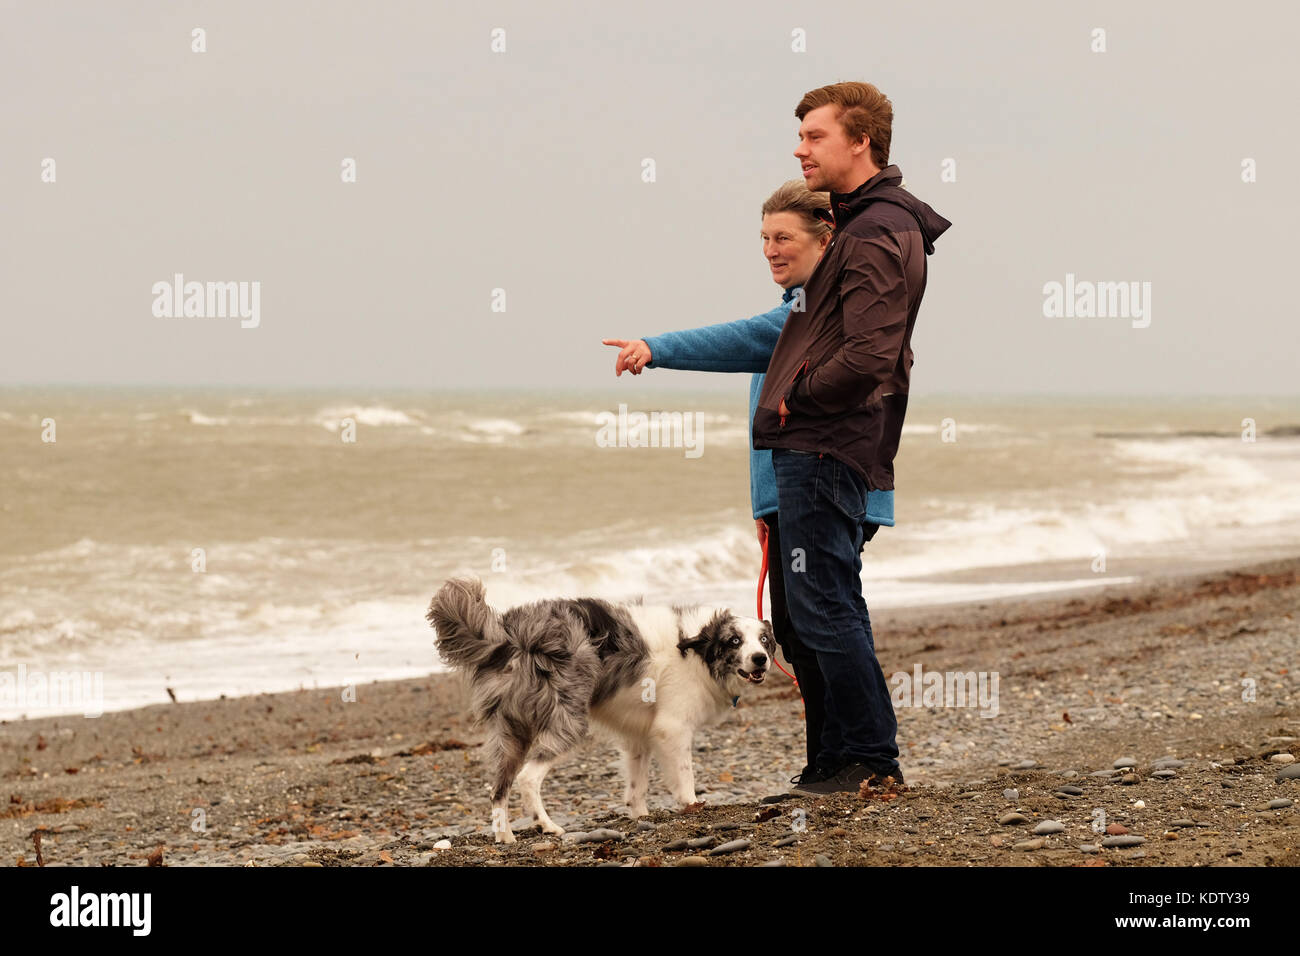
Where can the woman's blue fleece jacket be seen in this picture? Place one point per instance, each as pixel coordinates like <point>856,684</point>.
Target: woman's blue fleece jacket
<point>746,346</point>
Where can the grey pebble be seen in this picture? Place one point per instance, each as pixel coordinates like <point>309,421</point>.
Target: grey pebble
<point>1124,763</point>
<point>1234,803</point>
<point>822,860</point>
<point>675,845</point>
<point>1013,818</point>
<point>701,842</point>
<point>594,836</point>
<point>1012,795</point>
<point>1102,773</point>
<point>1035,844</point>
<point>1163,774</point>
<point>1089,848</point>
<point>1050,826</point>
<point>1026,765</point>
<point>776,862</point>
<point>1183,823</point>
<point>1168,763</point>
<point>1278,804</point>
<point>731,847</point>
<point>692,861</point>
<point>1291,772</point>
<point>645,825</point>
<point>786,841</point>
<point>1123,841</point>
<point>1069,774</point>
<point>1070,790</point>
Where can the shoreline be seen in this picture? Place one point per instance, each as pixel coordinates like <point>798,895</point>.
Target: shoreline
<point>1145,670</point>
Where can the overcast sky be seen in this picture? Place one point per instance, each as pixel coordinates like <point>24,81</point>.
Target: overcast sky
<point>522,170</point>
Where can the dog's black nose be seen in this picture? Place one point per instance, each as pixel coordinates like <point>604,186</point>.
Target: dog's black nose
<point>760,660</point>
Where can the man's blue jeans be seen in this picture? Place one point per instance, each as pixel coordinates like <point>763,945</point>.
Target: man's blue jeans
<point>821,508</point>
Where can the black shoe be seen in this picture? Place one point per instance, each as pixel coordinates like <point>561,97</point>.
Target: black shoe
<point>808,775</point>
<point>849,780</point>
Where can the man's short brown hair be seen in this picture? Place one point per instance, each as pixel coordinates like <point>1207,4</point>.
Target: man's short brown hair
<point>863,111</point>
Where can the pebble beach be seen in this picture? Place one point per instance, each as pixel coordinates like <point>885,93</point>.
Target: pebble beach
<point>1148,724</point>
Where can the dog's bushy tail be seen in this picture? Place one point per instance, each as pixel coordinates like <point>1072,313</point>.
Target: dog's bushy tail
<point>468,629</point>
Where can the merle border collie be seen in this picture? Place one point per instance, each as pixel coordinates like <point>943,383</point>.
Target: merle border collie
<point>540,673</point>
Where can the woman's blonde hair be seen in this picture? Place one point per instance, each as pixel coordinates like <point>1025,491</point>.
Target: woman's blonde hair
<point>795,196</point>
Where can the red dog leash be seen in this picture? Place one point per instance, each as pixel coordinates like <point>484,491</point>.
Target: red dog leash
<point>762,576</point>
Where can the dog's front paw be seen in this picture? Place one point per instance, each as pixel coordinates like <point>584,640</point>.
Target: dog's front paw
<point>554,828</point>
<point>638,810</point>
<point>505,836</point>
<point>692,805</point>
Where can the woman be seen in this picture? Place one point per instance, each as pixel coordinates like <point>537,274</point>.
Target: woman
<point>794,238</point>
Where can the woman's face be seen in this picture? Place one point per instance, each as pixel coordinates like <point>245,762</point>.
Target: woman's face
<point>790,249</point>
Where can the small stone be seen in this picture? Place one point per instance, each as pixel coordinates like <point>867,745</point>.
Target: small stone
<point>1050,826</point>
<point>1012,819</point>
<point>1278,804</point>
<point>1116,829</point>
<point>1070,790</point>
<point>1035,844</point>
<point>733,846</point>
<point>1026,765</point>
<point>1168,763</point>
<point>1123,841</point>
<point>1129,779</point>
<point>1163,774</point>
<point>676,845</point>
<point>1235,804</point>
<point>540,848</point>
<point>773,863</point>
<point>1069,774</point>
<point>442,845</point>
<point>1124,763</point>
<point>1282,758</point>
<point>786,841</point>
<point>1012,795</point>
<point>1183,823</point>
<point>1102,773</point>
<point>645,825</point>
<point>1233,853</point>
<point>594,836</point>
<point>1140,805</point>
<point>1291,772</point>
<point>692,861</point>
<point>821,859</point>
<point>840,832</point>
<point>778,797</point>
<point>1089,848</point>
<point>995,840</point>
<point>700,842</point>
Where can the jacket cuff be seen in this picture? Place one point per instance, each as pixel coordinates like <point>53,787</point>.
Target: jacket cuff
<point>654,351</point>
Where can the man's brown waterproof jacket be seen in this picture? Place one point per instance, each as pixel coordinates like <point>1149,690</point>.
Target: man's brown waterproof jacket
<point>843,363</point>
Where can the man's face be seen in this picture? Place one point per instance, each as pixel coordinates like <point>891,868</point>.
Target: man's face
<point>825,155</point>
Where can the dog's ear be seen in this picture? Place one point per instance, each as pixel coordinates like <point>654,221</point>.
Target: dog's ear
<point>768,637</point>
<point>709,634</point>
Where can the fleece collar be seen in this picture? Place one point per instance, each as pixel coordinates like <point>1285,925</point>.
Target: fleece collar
<point>884,187</point>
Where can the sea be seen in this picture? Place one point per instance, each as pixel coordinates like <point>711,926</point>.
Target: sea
<point>190,543</point>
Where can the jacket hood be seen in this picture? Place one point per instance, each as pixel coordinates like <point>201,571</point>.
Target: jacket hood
<point>886,186</point>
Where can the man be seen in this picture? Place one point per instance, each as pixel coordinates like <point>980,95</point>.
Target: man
<point>832,410</point>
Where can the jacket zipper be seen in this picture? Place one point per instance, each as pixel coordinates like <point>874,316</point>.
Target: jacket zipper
<point>797,373</point>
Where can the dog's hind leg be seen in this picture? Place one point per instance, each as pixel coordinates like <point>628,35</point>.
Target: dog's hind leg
<point>510,757</point>
<point>636,766</point>
<point>530,786</point>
